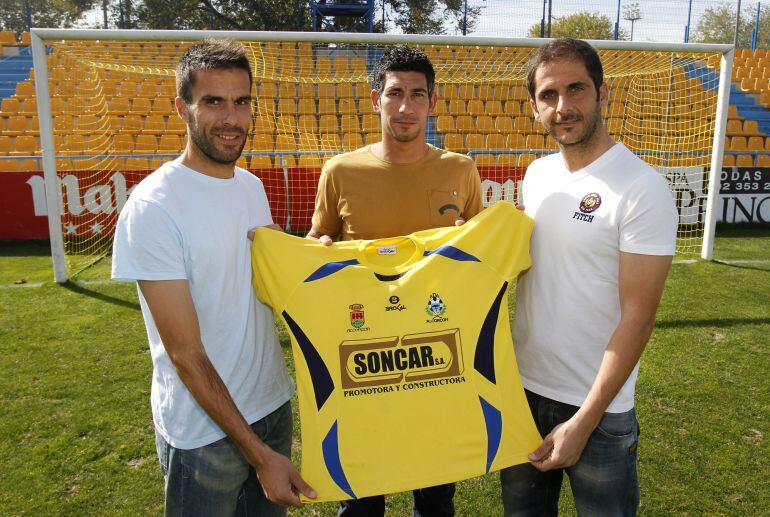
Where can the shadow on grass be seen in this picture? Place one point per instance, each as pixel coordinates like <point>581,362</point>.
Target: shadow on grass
<point>31,248</point>
<point>747,265</point>
<point>713,322</point>
<point>79,289</point>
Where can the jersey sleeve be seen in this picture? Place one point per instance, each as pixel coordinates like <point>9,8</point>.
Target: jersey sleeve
<point>148,245</point>
<point>499,237</point>
<point>326,217</point>
<point>474,203</point>
<point>648,220</point>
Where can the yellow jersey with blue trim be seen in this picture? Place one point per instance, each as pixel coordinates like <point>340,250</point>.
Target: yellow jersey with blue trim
<point>405,364</point>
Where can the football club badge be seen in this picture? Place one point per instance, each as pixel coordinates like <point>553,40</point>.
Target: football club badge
<point>590,203</point>
<point>357,318</point>
<point>436,308</point>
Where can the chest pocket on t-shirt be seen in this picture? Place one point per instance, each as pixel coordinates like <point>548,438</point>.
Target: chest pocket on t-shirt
<point>446,206</point>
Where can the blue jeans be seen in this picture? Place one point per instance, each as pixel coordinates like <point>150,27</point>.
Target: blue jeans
<point>604,481</point>
<point>216,479</point>
<point>434,501</point>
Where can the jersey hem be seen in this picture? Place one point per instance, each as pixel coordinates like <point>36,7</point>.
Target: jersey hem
<point>510,461</point>
<point>649,250</point>
<point>135,277</point>
<point>210,438</point>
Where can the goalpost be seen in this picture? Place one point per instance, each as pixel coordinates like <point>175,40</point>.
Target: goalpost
<point>105,104</point>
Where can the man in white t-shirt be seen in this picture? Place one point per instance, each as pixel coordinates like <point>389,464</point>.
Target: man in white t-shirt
<point>220,389</point>
<point>604,237</point>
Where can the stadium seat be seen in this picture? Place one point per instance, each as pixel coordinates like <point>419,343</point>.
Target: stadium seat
<point>493,108</point>
<point>287,90</point>
<point>475,142</point>
<point>307,124</point>
<point>439,109</point>
<point>10,165</point>
<point>448,91</point>
<point>326,91</point>
<point>122,144</point>
<point>495,141</point>
<point>285,124</point>
<point>526,159</point>
<point>454,142</point>
<point>475,107</point>
<point>522,124</point>
<point>503,124</point>
<point>515,141</point>
<point>287,106</point>
<point>744,160</point>
<point>751,128</point>
<point>137,163</point>
<point>141,106</point>
<point>328,124</point>
<point>6,145</point>
<point>347,107</point>
<point>350,124</point>
<point>456,107</point>
<point>154,125</point>
<point>763,160</point>
<point>16,125</point>
<point>485,160</point>
<point>119,106</point>
<point>170,143</point>
<point>148,89</point>
<point>486,91</point>
<point>10,105</point>
<point>345,91</point>
<point>331,141</point>
<point>327,106</point>
<point>25,145</point>
<point>269,90</point>
<point>352,141</point>
<point>728,160</point>
<point>372,138</point>
<point>132,124</point>
<point>306,90</point>
<point>7,38</point>
<point>25,89</point>
<point>262,124</point>
<point>534,142</point>
<point>285,143</point>
<point>734,127</point>
<point>261,162</point>
<point>370,123</point>
<point>513,108</point>
<point>309,161</point>
<point>445,124</point>
<point>485,124</point>
<point>146,144</point>
<point>756,143</point>
<point>306,106</point>
<point>738,143</point>
<point>464,124</point>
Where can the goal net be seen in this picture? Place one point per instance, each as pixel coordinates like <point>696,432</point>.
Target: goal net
<point>110,98</point>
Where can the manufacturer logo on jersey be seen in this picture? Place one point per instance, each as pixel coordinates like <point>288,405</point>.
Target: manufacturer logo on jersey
<point>436,309</point>
<point>357,318</point>
<point>590,203</point>
<point>392,361</point>
<point>395,304</point>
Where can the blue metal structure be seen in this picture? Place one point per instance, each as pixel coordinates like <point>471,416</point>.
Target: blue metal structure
<point>322,13</point>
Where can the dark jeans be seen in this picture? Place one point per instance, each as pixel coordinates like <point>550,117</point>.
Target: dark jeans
<point>216,479</point>
<point>604,481</point>
<point>428,502</point>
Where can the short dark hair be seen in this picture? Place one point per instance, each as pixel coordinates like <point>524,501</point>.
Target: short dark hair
<point>209,54</point>
<point>403,58</point>
<point>565,49</point>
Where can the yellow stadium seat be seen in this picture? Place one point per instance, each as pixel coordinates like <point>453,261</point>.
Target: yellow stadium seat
<point>372,138</point>
<point>534,142</point>
<point>25,88</point>
<point>132,124</point>
<point>439,109</point>
<point>262,143</point>
<point>310,161</point>
<point>515,141</point>
<point>328,124</point>
<point>751,128</point>
<point>493,108</point>
<point>738,143</point>
<point>306,90</point>
<point>141,106</point>
<point>285,124</point>
<point>307,123</point>
<point>734,127</point>
<point>744,160</point>
<point>454,142</point>
<point>485,160</point>
<point>365,105</point>
<point>122,144</point>
<point>331,141</point>
<point>756,143</point>
<point>518,91</point>
<point>146,144</point>
<point>137,163</point>
<point>486,91</point>
<point>347,107</point>
<point>287,90</point>
<point>12,165</point>
<point>269,90</point>
<point>262,124</point>
<point>352,141</point>
<point>170,143</point>
<point>327,106</point>
<point>119,106</point>
<point>7,38</point>
<point>345,91</point>
<point>285,143</point>
<point>350,124</point>
<point>26,144</point>
<point>306,106</point>
<point>475,107</point>
<point>475,142</point>
<point>728,160</point>
<point>261,162</point>
<point>154,125</point>
<point>732,112</point>
<point>467,91</point>
<point>10,105</point>
<point>148,89</point>
<point>495,141</point>
<point>445,124</point>
<point>763,160</point>
<point>457,107</point>
<point>513,108</point>
<point>16,125</point>
<point>448,91</point>
<point>285,160</point>
<point>503,124</point>
<point>464,124</point>
<point>287,106</point>
<point>485,124</point>
<point>6,145</point>
<point>370,123</point>
<point>522,124</point>
<point>526,159</point>
<point>326,91</point>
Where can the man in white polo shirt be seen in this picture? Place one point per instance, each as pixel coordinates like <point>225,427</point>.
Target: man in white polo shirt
<point>220,389</point>
<point>604,237</point>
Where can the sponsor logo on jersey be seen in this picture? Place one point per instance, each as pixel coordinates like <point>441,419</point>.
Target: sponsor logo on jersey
<point>357,318</point>
<point>394,361</point>
<point>395,304</point>
<point>590,203</point>
<point>436,309</point>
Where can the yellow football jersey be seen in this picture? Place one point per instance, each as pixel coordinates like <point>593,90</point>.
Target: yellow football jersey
<point>405,365</point>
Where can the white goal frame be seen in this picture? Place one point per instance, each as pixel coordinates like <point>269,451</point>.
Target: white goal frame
<point>53,201</point>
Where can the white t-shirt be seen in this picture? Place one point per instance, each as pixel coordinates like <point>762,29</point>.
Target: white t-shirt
<point>568,304</point>
<point>181,224</point>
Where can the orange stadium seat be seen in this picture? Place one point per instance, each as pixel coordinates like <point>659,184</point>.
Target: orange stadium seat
<point>751,128</point>
<point>493,108</point>
<point>485,124</point>
<point>306,106</point>
<point>464,124</point>
<point>351,141</point>
<point>350,124</point>
<point>370,123</point>
<point>330,141</point>
<point>261,162</point>
<point>372,138</point>
<point>309,161</point>
<point>454,142</point>
<point>26,144</point>
<point>485,160</point>
<point>515,141</point>
<point>170,143</point>
<point>285,124</point>
<point>6,145</point>
<point>328,124</point>
<point>7,38</point>
<point>744,160</point>
<point>475,107</point>
<point>445,124</point>
<point>738,143</point>
<point>347,106</point>
<point>440,108</point>
<point>287,106</point>
<point>327,106</point>
<point>146,144</point>
<point>456,107</point>
<point>763,160</point>
<point>474,142</point>
<point>495,141</point>
<point>345,91</point>
<point>307,123</point>
<point>728,161</point>
<point>756,143</point>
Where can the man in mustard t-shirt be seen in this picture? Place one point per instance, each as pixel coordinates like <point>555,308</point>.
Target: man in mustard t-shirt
<point>395,187</point>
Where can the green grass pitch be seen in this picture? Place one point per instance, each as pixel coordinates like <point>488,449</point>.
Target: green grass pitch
<point>76,433</point>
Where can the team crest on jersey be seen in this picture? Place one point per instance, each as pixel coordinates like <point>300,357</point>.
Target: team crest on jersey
<point>436,308</point>
<point>357,318</point>
<point>590,203</point>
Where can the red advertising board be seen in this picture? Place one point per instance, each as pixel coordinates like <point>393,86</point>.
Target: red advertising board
<point>92,200</point>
